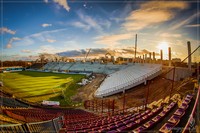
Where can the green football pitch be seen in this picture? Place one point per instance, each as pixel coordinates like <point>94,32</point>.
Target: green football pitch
<point>39,86</point>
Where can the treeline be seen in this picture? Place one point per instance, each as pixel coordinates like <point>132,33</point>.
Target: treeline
<point>15,63</point>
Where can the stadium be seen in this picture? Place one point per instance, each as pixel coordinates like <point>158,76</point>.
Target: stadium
<point>100,89</point>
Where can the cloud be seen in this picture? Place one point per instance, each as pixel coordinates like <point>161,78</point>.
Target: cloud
<point>87,22</point>
<point>73,53</point>
<point>105,23</point>
<point>192,25</point>
<point>51,40</point>
<point>41,37</point>
<point>46,1</point>
<point>113,39</point>
<point>46,25</point>
<point>6,30</point>
<point>144,51</point>
<point>118,15</point>
<point>81,25</point>
<point>19,57</point>
<point>9,45</point>
<point>26,51</point>
<point>63,3</point>
<point>170,35</point>
<point>101,52</point>
<point>152,13</point>
<point>95,52</point>
<point>139,19</point>
<point>186,21</point>
<point>49,49</point>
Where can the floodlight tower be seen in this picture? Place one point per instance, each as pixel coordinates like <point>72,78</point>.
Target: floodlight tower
<point>135,46</point>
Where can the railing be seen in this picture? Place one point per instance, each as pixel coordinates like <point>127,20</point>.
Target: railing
<point>53,125</point>
<point>190,120</point>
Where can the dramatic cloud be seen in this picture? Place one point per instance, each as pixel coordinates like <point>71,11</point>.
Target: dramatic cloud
<point>6,30</point>
<point>101,52</point>
<point>51,41</point>
<point>113,39</point>
<point>26,51</point>
<point>63,3</point>
<point>9,45</point>
<point>152,13</point>
<point>96,52</point>
<point>46,25</point>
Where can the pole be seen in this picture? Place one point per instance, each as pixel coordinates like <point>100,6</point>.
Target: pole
<point>113,106</point>
<point>198,67</point>
<point>108,107</point>
<point>93,105</point>
<point>96,105</point>
<point>189,55</point>
<point>147,95</point>
<point>172,82</point>
<point>135,46</point>
<point>170,56</point>
<point>161,56</point>
<point>102,106</point>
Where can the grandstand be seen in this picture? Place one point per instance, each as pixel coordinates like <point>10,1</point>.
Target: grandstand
<point>128,78</point>
<point>87,66</point>
<point>36,66</point>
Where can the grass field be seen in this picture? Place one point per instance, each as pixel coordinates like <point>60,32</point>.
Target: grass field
<point>38,86</point>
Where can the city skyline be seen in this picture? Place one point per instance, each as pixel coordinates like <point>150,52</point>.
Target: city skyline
<point>29,28</point>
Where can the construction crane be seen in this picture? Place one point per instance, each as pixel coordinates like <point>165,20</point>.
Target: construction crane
<point>87,54</point>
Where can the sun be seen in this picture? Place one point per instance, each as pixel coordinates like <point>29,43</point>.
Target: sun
<point>163,46</point>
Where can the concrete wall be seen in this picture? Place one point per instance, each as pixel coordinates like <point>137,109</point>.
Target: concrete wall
<point>180,73</point>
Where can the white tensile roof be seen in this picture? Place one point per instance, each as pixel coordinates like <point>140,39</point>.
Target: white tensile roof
<point>127,78</point>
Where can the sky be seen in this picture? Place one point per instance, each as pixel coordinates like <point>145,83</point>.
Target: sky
<point>71,27</point>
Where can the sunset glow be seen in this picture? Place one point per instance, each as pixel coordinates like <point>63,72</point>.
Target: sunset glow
<point>163,46</point>
<point>70,27</point>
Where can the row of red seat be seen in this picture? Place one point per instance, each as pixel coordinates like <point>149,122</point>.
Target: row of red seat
<point>140,122</point>
<point>77,120</point>
<point>176,117</point>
